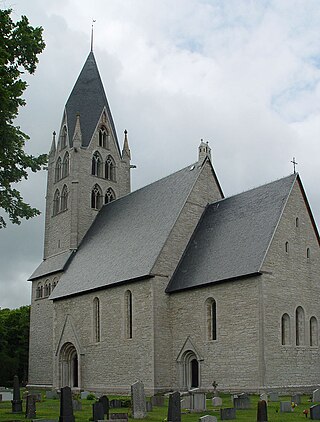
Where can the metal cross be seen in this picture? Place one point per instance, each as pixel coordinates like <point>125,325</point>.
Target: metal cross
<point>294,165</point>
<point>93,21</point>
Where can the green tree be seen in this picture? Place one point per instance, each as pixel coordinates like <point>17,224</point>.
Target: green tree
<point>20,44</point>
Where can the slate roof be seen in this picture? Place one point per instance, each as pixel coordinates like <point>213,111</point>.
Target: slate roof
<point>88,98</point>
<point>127,235</point>
<point>232,237</point>
<point>52,265</point>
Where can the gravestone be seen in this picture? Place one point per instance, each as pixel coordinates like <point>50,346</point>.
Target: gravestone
<point>216,401</point>
<point>31,407</point>
<point>315,412</point>
<point>97,411</point>
<point>157,400</point>
<point>119,417</point>
<point>242,402</point>
<point>296,398</point>
<point>66,410</point>
<point>105,403</point>
<point>198,402</point>
<point>228,414</point>
<point>149,406</point>
<point>138,399</point>
<point>316,395</point>
<point>208,418</point>
<point>52,394</point>
<point>262,415</point>
<point>285,406</point>
<point>274,396</point>
<point>84,394</point>
<point>76,405</point>
<point>185,401</point>
<point>16,401</point>
<point>115,403</point>
<point>174,407</point>
<point>7,395</point>
<point>264,397</point>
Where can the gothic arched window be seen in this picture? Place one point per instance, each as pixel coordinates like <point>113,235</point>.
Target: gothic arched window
<point>285,329</point>
<point>96,168</point>
<point>64,198</point>
<point>300,333</point>
<point>96,319</point>
<point>63,137</point>
<point>103,138</point>
<point>65,165</point>
<point>56,202</point>
<point>128,314</point>
<point>313,331</point>
<point>96,198</point>
<point>211,319</point>
<point>109,196</point>
<point>110,169</point>
<point>57,175</point>
<point>39,291</point>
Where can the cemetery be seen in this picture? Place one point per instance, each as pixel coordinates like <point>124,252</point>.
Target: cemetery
<point>66,405</point>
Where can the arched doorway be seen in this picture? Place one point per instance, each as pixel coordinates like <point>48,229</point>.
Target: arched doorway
<point>191,373</point>
<point>69,366</point>
<point>194,373</point>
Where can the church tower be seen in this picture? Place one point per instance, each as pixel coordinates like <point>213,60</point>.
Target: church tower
<point>86,167</point>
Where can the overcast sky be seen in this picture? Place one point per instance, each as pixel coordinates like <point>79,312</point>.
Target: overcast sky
<point>243,75</point>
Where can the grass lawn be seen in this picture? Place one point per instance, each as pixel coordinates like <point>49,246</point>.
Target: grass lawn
<point>49,409</point>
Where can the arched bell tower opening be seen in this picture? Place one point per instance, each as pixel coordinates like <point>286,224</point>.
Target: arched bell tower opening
<point>69,366</point>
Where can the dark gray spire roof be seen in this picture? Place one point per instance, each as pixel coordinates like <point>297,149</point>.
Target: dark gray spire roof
<point>88,98</point>
<point>232,237</point>
<point>127,235</point>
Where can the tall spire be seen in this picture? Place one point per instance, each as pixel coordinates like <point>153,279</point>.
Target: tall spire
<point>91,47</point>
<point>126,149</point>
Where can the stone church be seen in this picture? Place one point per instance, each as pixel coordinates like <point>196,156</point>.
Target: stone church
<point>173,284</point>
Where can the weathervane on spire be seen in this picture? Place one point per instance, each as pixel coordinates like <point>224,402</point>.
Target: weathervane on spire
<point>93,21</point>
<point>294,165</point>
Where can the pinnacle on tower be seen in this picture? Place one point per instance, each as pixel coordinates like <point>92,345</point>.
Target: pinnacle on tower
<point>126,149</point>
<point>204,150</point>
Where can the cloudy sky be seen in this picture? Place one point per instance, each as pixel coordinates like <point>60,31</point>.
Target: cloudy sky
<point>243,75</point>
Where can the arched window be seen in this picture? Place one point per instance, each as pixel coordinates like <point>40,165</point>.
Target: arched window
<point>128,314</point>
<point>65,165</point>
<point>54,283</point>
<point>96,319</point>
<point>49,289</point>
<point>285,329</point>
<point>286,247</point>
<point>308,253</point>
<point>96,198</point>
<point>56,202</point>
<point>313,331</point>
<point>109,196</point>
<point>39,291</point>
<point>64,198</point>
<point>110,169</point>
<point>300,332</point>
<point>46,291</point>
<point>211,319</point>
<point>103,138</point>
<point>57,175</point>
<point>297,222</point>
<point>63,137</point>
<point>96,165</point>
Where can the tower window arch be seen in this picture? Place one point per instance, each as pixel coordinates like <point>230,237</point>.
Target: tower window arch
<point>64,198</point>
<point>297,221</point>
<point>308,253</point>
<point>286,247</point>
<point>57,175</point>
<point>109,196</point>
<point>96,197</point>
<point>96,167</point>
<point>313,331</point>
<point>96,319</point>
<point>285,330</point>
<point>56,202</point>
<point>65,165</point>
<point>63,137</point>
<point>103,138</point>
<point>300,329</point>
<point>110,169</point>
<point>211,319</point>
<point>39,291</point>
<point>128,314</point>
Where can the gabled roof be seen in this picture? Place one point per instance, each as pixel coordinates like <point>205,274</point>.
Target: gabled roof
<point>127,235</point>
<point>232,237</point>
<point>88,98</point>
<point>52,265</point>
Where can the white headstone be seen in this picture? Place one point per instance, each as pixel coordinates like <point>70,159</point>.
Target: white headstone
<point>208,418</point>
<point>138,399</point>
<point>217,401</point>
<point>316,395</point>
<point>264,396</point>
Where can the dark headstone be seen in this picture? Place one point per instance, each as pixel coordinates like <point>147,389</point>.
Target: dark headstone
<point>119,416</point>
<point>262,414</point>
<point>51,394</point>
<point>149,406</point>
<point>31,407</point>
<point>66,409</point>
<point>97,411</point>
<point>174,408</point>
<point>157,400</point>
<point>16,402</point>
<point>228,414</point>
<point>315,412</point>
<point>242,402</point>
<point>138,400</point>
<point>105,403</point>
<point>76,405</point>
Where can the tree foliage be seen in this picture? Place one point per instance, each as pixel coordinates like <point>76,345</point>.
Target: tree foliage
<point>20,44</point>
<point>14,344</point>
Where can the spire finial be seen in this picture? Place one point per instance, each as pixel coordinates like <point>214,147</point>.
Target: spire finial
<point>93,21</point>
<point>294,165</point>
